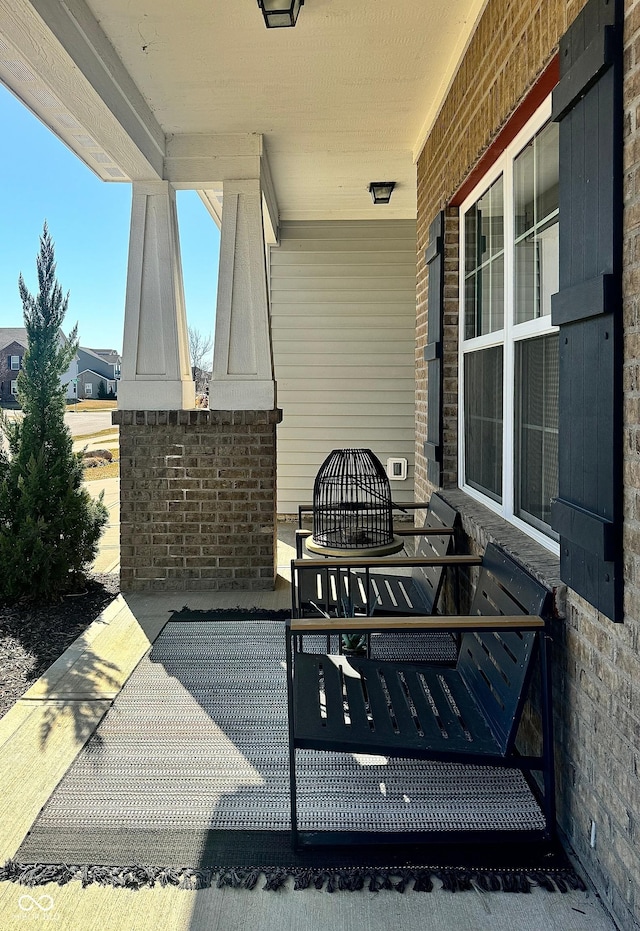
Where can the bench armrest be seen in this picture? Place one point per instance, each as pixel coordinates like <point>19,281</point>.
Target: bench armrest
<point>377,562</point>
<point>398,531</point>
<point>423,531</point>
<point>460,623</point>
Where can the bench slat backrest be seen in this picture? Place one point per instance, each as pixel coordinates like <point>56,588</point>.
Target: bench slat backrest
<point>429,579</point>
<point>496,666</point>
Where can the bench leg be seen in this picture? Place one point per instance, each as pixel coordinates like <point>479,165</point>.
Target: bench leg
<point>292,749</point>
<point>293,796</point>
<point>547,735</point>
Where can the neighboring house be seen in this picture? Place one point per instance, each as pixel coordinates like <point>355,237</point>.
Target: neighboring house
<point>89,385</point>
<point>111,357</point>
<point>13,346</point>
<point>95,365</point>
<point>12,350</point>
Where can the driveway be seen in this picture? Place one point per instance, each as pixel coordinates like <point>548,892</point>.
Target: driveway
<point>82,423</point>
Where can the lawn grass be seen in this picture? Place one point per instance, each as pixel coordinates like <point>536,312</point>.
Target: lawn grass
<point>110,470</point>
<point>90,436</point>
<point>91,405</point>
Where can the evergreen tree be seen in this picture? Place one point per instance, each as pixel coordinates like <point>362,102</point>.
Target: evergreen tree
<point>49,524</point>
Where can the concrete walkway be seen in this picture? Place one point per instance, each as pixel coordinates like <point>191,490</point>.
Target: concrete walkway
<point>108,558</point>
<point>44,731</point>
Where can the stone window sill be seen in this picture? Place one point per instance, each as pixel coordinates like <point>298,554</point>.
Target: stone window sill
<point>483,526</point>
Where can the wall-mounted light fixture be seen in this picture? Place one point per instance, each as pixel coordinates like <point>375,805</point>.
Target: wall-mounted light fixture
<point>280,12</point>
<point>381,191</point>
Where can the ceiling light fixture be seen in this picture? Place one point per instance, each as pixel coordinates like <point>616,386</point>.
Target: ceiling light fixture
<point>381,191</point>
<point>279,13</point>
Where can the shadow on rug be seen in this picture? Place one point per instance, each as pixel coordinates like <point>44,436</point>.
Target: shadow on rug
<point>185,783</point>
<point>231,614</point>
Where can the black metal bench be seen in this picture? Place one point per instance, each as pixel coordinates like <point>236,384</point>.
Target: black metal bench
<point>370,586</point>
<point>468,714</point>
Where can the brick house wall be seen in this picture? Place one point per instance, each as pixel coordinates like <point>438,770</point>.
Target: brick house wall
<point>197,500</point>
<point>7,374</point>
<point>597,674</point>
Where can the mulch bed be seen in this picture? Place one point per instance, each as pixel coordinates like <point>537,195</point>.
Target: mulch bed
<point>34,635</point>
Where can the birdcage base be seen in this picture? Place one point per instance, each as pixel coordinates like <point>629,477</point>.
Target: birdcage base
<point>384,549</point>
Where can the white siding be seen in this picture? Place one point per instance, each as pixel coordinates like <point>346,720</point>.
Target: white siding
<point>343,299</point>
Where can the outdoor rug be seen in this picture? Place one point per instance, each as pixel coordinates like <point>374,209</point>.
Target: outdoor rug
<point>186,782</point>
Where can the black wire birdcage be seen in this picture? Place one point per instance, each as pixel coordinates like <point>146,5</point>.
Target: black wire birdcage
<point>352,507</point>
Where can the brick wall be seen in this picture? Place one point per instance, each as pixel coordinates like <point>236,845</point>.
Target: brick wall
<point>7,374</point>
<point>597,663</point>
<point>197,500</point>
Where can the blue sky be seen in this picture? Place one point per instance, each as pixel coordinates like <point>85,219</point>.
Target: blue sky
<point>89,223</point>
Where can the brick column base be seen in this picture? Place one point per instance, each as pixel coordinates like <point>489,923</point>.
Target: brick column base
<point>197,500</point>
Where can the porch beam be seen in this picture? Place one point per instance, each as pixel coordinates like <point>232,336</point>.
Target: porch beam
<point>65,46</point>
<point>204,161</point>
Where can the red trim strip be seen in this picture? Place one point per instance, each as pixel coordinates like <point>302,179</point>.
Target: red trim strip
<point>538,93</point>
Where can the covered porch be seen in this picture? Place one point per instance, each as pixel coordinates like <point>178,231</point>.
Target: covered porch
<point>41,737</point>
<point>424,327</point>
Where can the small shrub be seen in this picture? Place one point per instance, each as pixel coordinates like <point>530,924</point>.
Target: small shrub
<point>98,454</point>
<point>92,463</point>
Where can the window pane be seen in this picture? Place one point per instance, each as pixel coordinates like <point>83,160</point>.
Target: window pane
<point>535,181</point>
<point>484,218</point>
<point>547,171</point>
<point>525,279</point>
<point>471,240</point>
<point>496,321</point>
<point>548,254</point>
<point>483,420</point>
<point>496,223</point>
<point>484,263</point>
<point>470,307</point>
<point>490,209</point>
<point>523,195</point>
<point>536,429</point>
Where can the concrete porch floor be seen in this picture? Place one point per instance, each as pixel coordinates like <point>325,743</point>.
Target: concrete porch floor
<point>42,734</point>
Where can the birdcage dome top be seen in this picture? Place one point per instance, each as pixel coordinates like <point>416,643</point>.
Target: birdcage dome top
<point>352,505</point>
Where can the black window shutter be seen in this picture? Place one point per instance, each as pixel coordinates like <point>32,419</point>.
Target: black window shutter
<point>434,257</point>
<point>587,103</point>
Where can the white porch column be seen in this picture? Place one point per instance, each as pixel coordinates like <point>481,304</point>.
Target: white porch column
<point>156,372</point>
<point>243,377</point>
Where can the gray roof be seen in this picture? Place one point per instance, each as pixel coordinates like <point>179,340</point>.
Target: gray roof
<point>97,374</point>
<point>107,354</point>
<point>13,334</point>
<point>18,334</point>
<point>89,352</point>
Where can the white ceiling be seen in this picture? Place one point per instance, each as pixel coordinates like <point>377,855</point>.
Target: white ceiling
<point>344,98</point>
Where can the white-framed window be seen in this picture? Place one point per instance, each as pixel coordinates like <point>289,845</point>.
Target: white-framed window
<point>14,363</point>
<point>88,389</point>
<point>508,403</point>
<point>14,386</point>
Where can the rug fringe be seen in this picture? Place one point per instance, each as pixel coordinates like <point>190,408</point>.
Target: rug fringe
<point>352,879</point>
